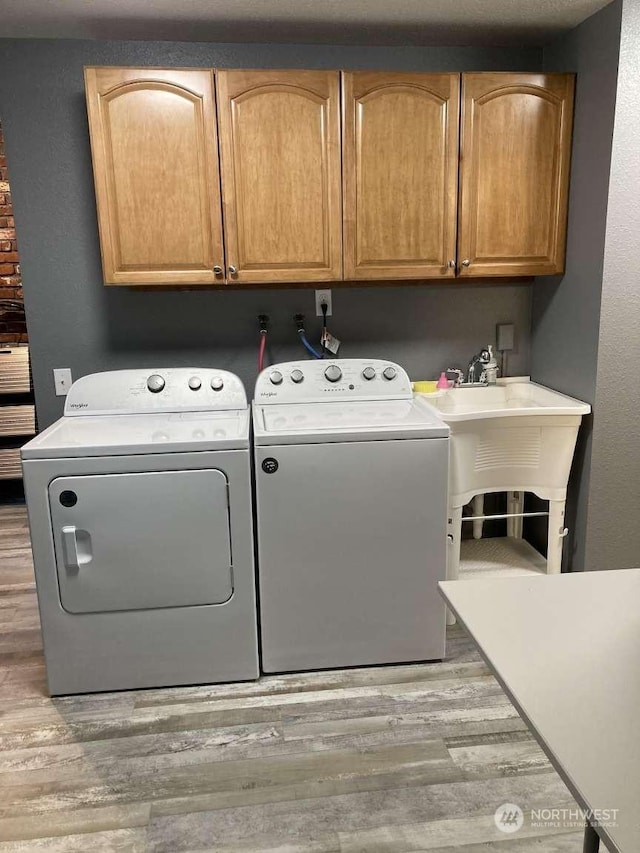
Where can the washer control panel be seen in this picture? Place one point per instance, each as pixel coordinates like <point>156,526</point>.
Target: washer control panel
<point>333,379</point>
<point>126,392</point>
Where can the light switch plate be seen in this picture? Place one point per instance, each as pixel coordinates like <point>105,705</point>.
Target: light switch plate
<point>323,296</point>
<point>62,380</point>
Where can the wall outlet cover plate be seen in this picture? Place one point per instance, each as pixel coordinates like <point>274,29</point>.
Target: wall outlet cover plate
<point>323,296</point>
<point>62,380</point>
<point>505,337</point>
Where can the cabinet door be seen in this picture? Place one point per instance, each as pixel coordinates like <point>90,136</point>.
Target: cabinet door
<point>280,150</point>
<point>155,163</point>
<point>514,176</point>
<point>400,169</point>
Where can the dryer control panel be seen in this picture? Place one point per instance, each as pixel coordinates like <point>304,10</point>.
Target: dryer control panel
<point>333,379</point>
<point>175,389</point>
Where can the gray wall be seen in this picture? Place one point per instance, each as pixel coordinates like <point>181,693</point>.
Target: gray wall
<point>566,310</point>
<point>613,534</point>
<point>74,321</point>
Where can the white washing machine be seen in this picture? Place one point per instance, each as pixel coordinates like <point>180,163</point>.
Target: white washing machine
<point>140,510</point>
<point>351,491</point>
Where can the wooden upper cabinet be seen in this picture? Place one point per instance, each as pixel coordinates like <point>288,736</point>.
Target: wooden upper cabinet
<point>280,154</point>
<point>514,173</point>
<point>155,162</point>
<point>414,191</point>
<point>400,170</point>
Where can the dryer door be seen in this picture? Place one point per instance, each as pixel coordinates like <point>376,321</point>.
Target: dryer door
<point>141,541</point>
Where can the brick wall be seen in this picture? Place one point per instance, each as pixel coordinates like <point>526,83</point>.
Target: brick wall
<point>11,324</point>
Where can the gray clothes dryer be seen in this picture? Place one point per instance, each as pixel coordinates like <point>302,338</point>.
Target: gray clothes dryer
<point>351,492</point>
<point>140,511</point>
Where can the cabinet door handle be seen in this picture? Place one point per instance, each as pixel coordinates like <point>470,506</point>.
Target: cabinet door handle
<point>233,270</point>
<point>452,265</point>
<point>217,269</point>
<point>466,262</point>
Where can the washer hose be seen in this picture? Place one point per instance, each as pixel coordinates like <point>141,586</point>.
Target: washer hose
<point>261,349</point>
<point>308,346</point>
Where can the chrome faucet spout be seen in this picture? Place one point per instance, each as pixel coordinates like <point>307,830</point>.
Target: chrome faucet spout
<point>477,367</point>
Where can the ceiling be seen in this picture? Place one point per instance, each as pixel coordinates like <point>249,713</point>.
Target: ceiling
<point>408,22</point>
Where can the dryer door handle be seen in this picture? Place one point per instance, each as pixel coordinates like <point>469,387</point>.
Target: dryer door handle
<point>70,546</point>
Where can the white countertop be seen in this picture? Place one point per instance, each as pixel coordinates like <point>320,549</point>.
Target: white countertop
<point>566,648</point>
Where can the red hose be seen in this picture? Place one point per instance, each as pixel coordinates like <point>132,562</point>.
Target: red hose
<point>261,349</point>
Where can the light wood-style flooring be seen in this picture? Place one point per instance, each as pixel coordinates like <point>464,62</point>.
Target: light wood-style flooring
<point>377,760</point>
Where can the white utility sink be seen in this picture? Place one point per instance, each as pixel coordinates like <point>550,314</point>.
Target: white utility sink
<point>516,397</point>
<point>515,437</point>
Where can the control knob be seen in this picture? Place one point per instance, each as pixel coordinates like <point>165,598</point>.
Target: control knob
<point>155,383</point>
<point>276,377</point>
<point>389,373</point>
<point>333,373</point>
<point>195,383</point>
<point>369,373</point>
<point>217,384</point>
<point>297,376</point>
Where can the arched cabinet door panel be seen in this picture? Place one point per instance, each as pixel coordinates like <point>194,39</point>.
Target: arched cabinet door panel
<point>280,155</point>
<point>514,173</point>
<point>155,163</point>
<point>400,172</point>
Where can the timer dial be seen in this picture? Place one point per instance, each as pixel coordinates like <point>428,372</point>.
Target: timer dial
<point>155,383</point>
<point>333,373</point>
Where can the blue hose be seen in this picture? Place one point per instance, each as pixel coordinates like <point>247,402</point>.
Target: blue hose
<point>306,344</point>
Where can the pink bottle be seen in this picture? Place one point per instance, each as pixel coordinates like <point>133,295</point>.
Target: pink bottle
<point>443,383</point>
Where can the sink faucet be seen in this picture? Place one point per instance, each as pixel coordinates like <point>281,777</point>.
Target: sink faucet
<point>482,370</point>
<point>477,367</point>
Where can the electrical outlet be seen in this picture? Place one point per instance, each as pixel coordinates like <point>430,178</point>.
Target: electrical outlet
<point>62,380</point>
<point>323,296</point>
<point>505,334</point>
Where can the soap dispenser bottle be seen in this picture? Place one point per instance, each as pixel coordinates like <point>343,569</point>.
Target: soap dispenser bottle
<point>491,369</point>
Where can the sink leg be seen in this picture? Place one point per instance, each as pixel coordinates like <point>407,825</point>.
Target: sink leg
<point>478,509</point>
<point>556,537</point>
<point>455,534</point>
<point>453,551</point>
<point>515,504</point>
